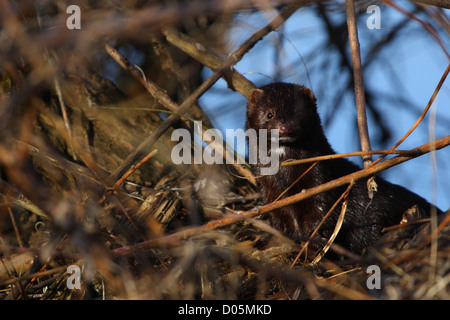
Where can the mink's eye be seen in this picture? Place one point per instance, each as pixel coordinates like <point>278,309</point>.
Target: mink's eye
<point>269,115</point>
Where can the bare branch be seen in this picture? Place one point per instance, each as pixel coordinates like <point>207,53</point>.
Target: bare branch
<point>197,51</point>
<point>359,83</point>
<point>438,3</point>
<point>176,237</point>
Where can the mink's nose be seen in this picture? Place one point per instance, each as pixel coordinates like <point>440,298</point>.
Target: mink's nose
<point>285,129</point>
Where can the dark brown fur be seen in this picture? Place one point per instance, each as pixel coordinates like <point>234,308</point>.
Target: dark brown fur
<point>293,111</point>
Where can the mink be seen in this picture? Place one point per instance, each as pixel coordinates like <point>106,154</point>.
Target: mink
<point>292,110</point>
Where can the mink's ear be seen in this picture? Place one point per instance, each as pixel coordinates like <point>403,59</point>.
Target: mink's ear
<point>256,95</point>
<point>308,93</point>
<point>252,108</point>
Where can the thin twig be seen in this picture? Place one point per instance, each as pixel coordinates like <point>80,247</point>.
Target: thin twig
<point>16,228</point>
<point>65,118</point>
<point>337,228</point>
<point>424,112</point>
<point>297,180</point>
<point>344,194</point>
<point>426,25</point>
<point>406,224</point>
<point>137,73</point>
<point>41,273</point>
<point>348,154</point>
<point>133,169</point>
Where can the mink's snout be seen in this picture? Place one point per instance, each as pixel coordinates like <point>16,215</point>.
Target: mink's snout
<point>285,129</point>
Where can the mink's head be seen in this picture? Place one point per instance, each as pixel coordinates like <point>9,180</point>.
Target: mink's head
<point>290,108</point>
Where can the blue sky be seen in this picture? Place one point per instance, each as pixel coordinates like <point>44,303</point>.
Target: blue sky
<point>411,67</point>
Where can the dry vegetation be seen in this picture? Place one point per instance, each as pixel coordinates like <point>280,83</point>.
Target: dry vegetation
<point>86,176</point>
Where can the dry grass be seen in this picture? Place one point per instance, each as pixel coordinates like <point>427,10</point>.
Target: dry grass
<point>86,176</point>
